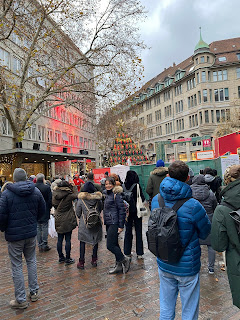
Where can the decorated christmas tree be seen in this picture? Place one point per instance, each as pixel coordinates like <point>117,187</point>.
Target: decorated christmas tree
<point>125,151</point>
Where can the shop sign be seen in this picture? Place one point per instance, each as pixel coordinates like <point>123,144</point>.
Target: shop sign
<point>99,174</point>
<point>181,140</point>
<point>206,142</point>
<point>205,155</point>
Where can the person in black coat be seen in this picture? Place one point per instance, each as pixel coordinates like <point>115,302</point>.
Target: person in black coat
<point>133,179</point>
<point>114,213</point>
<point>42,225</point>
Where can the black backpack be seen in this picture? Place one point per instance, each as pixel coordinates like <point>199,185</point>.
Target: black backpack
<point>127,196</point>
<point>92,218</point>
<point>163,236</point>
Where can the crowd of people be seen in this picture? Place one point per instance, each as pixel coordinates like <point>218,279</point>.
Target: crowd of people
<point>203,219</point>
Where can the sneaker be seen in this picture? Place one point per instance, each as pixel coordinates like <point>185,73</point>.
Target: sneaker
<point>34,296</point>
<point>210,270</point>
<point>17,305</point>
<point>46,248</point>
<point>61,260</point>
<point>126,264</point>
<point>69,261</point>
<point>140,257</point>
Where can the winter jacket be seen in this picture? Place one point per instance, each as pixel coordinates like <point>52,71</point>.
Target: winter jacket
<point>193,223</point>
<point>224,236</point>
<point>214,184</point>
<point>62,200</point>
<point>156,177</point>
<point>133,211</point>
<point>21,204</point>
<point>114,210</point>
<point>202,193</point>
<point>45,190</point>
<point>91,200</point>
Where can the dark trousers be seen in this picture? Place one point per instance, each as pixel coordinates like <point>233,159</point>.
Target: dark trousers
<point>129,235</point>
<point>82,250</point>
<point>112,242</point>
<point>67,236</point>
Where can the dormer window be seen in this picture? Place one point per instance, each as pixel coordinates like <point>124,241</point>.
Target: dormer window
<point>222,59</point>
<point>158,87</point>
<point>168,81</point>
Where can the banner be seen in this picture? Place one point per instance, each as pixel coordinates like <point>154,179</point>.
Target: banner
<point>99,173</point>
<point>205,155</point>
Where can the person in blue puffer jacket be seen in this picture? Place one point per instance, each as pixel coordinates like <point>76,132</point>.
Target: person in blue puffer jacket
<point>114,214</point>
<point>193,223</point>
<point>21,205</point>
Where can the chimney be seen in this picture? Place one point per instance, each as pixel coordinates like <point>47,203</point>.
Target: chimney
<point>174,64</point>
<point>165,69</point>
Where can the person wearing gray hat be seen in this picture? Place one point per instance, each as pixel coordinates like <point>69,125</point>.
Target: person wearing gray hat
<point>20,207</point>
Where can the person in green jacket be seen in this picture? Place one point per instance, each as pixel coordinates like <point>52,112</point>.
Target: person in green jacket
<point>224,235</point>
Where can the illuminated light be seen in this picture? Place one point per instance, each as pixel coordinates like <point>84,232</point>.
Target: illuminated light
<point>56,159</point>
<point>42,159</point>
<point>51,156</point>
<point>35,161</point>
<point>26,158</point>
<point>65,157</point>
<point>10,175</point>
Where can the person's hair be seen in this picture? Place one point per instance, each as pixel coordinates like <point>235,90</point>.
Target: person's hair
<point>40,177</point>
<point>90,176</point>
<point>208,170</point>
<point>106,173</point>
<point>131,178</point>
<point>178,170</point>
<point>65,183</point>
<point>111,180</point>
<point>214,171</point>
<point>114,176</point>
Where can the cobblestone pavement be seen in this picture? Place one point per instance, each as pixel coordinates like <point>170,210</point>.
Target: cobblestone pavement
<point>69,293</point>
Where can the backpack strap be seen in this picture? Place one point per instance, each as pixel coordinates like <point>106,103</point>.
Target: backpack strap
<point>226,204</point>
<point>179,203</point>
<point>161,201</point>
<point>131,188</point>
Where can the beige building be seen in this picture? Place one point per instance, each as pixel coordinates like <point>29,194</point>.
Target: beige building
<point>62,139</point>
<point>188,100</point>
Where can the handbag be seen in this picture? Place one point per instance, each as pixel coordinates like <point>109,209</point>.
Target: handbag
<point>51,227</point>
<point>141,209</point>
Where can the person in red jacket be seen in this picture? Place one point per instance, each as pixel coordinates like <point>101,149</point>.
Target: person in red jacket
<point>78,182</point>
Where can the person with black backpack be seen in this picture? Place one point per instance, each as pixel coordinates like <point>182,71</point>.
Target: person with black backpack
<point>130,190</point>
<point>89,207</point>
<point>181,273</point>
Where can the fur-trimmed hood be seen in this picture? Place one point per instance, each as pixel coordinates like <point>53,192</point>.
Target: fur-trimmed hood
<point>90,196</point>
<point>117,189</point>
<point>160,171</point>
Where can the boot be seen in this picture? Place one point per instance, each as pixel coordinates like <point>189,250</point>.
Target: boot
<point>80,264</point>
<point>94,261</point>
<point>118,268</point>
<point>126,264</point>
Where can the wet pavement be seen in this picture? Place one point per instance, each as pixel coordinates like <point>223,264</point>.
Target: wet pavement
<point>89,294</point>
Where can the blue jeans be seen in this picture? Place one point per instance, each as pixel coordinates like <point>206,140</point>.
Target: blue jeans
<point>42,234</point>
<point>189,288</point>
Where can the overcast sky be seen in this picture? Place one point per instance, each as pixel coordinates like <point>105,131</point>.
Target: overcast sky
<point>172,29</point>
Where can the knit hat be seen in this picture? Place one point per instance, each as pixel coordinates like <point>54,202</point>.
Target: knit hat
<point>89,187</point>
<point>19,175</point>
<point>160,163</point>
<point>231,173</point>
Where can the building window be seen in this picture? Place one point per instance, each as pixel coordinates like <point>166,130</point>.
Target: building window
<point>220,75</point>
<point>199,97</point>
<point>238,56</point>
<point>222,59</point>
<point>148,105</point>
<point>203,76</point>
<point>57,137</point>
<point>209,76</point>
<point>208,59</point>
<point>81,142</point>
<point>200,115</point>
<point>168,111</point>
<point>196,60</point>
<point>239,92</point>
<point>49,135</point>
<point>204,95</point>
<point>16,65</point>
<point>202,59</point>
<point>142,135</point>
<point>221,94</point>
<point>206,116</point>
<point>41,133</point>
<point>141,120</point>
<point>157,115</point>
<point>6,128</point>
<point>85,143</point>
<point>214,75</point>
<point>180,124</point>
<point>159,131</point>
<point>4,58</point>
<point>157,100</point>
<point>76,141</point>
<point>223,115</point>
<point>238,73</point>
<point>167,95</point>
<point>227,114</point>
<point>218,116</point>
<point>210,95</point>
<point>149,118</point>
<point>179,106</point>
<point>198,78</point>
<point>150,133</point>
<point>168,127</point>
<point>212,116</point>
<point>178,90</point>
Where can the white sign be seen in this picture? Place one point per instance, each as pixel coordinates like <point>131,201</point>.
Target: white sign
<point>205,155</point>
<point>120,170</point>
<point>227,161</point>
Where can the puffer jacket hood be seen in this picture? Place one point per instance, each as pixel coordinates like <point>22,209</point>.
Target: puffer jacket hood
<point>173,189</point>
<point>231,193</point>
<point>209,178</point>
<point>22,188</point>
<point>161,171</point>
<point>200,190</point>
